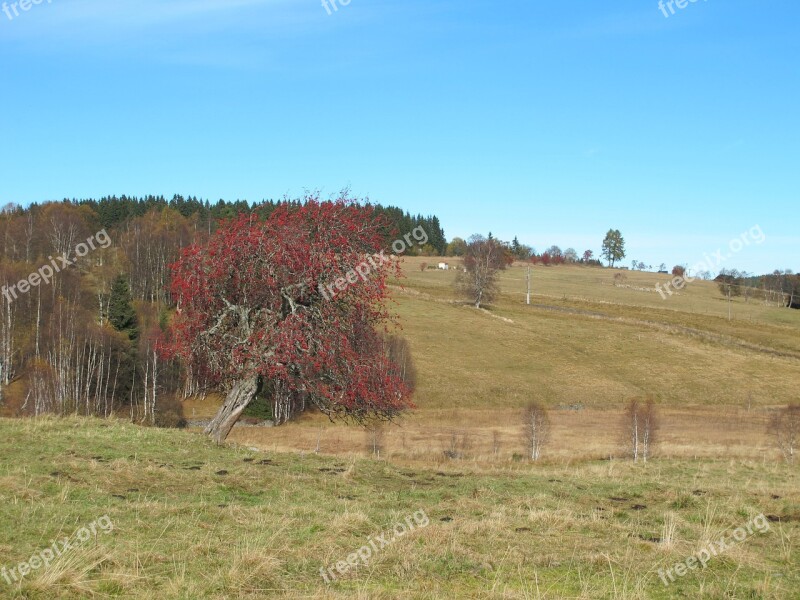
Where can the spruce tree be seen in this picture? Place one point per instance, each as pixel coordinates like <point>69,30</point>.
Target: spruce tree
<point>121,313</point>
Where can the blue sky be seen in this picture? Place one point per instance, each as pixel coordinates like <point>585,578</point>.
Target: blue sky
<point>552,121</point>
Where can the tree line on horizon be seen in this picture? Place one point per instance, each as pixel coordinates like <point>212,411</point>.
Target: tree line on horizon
<point>517,251</point>
<point>84,342</point>
<point>613,251</point>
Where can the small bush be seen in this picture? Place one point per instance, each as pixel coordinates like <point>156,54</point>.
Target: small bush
<point>169,413</point>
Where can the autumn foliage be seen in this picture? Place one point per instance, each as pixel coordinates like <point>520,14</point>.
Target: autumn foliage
<point>250,308</point>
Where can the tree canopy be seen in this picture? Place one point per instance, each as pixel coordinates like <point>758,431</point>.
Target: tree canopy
<point>613,247</point>
<point>483,258</point>
<point>252,305</point>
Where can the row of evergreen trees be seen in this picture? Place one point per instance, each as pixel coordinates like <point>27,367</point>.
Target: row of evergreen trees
<point>114,211</point>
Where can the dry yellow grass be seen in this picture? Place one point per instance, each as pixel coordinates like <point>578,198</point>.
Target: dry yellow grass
<point>192,520</point>
<point>584,341</point>
<point>493,437</point>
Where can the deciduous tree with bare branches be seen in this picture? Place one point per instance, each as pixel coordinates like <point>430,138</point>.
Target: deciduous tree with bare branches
<point>785,426</point>
<point>537,429</point>
<point>375,438</point>
<point>483,258</point>
<point>640,426</point>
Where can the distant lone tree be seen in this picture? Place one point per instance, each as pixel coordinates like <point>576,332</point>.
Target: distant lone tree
<point>613,247</point>
<point>785,426</point>
<point>536,429</point>
<point>257,311</point>
<point>640,425</point>
<point>483,258</point>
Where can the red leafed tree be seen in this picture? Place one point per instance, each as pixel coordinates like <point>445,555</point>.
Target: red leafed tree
<point>255,313</point>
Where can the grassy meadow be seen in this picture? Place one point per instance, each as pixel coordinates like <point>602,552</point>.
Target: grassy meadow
<point>261,517</point>
<point>191,520</point>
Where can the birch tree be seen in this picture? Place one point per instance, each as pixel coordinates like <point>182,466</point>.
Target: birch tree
<point>640,426</point>
<point>785,427</point>
<point>537,429</point>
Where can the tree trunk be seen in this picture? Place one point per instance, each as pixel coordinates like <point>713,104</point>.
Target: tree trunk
<point>236,401</point>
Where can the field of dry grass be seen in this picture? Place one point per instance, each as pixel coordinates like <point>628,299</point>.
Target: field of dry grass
<point>191,520</point>
<point>494,438</point>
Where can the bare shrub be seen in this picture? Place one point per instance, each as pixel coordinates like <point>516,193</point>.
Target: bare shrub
<point>169,412</point>
<point>460,444</point>
<point>495,442</point>
<point>640,425</point>
<point>423,266</point>
<point>620,279</point>
<point>376,436</point>
<point>536,429</point>
<point>785,426</point>
<point>319,441</point>
<point>399,353</point>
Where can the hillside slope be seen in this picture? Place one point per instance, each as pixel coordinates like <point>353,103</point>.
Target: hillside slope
<point>585,344</point>
<point>585,340</point>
